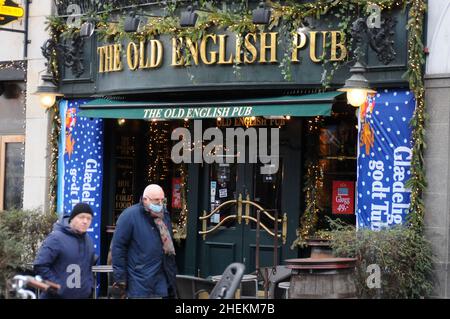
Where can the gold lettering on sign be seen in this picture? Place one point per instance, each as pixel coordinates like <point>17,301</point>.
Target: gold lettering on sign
<point>118,57</point>
<point>238,50</point>
<point>110,58</point>
<point>298,43</point>
<point>223,50</point>
<point>272,47</point>
<point>250,121</point>
<point>312,46</point>
<point>142,63</point>
<point>193,48</point>
<point>101,58</point>
<point>177,57</point>
<point>340,45</point>
<point>250,47</point>
<point>203,47</point>
<point>132,56</point>
<point>157,52</point>
<point>152,59</point>
<point>212,49</point>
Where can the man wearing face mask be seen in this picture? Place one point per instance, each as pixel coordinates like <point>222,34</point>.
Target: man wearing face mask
<point>143,254</point>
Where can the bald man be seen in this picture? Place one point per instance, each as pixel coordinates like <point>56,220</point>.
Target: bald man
<point>143,254</point>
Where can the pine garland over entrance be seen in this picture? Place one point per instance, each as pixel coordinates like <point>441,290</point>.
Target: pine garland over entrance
<point>292,14</point>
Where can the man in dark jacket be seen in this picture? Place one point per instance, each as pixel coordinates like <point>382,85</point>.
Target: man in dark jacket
<point>143,255</point>
<point>67,255</point>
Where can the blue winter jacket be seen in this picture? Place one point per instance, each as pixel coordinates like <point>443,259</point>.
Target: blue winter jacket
<point>138,258</point>
<point>63,255</point>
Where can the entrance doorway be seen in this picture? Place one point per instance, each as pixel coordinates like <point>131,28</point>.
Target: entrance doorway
<point>233,195</point>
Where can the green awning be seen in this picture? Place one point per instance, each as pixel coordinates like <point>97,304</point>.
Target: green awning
<point>303,105</point>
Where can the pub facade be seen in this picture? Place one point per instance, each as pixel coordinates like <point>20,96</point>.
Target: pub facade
<point>237,121</point>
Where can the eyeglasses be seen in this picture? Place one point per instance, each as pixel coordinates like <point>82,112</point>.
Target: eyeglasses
<point>162,201</point>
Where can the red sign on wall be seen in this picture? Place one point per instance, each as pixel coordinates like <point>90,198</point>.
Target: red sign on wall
<point>343,199</point>
<point>176,193</point>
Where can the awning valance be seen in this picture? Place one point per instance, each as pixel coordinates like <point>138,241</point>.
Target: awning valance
<point>304,106</point>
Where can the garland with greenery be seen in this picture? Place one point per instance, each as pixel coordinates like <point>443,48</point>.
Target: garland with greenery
<point>416,61</point>
<point>309,219</point>
<point>292,14</point>
<point>54,155</point>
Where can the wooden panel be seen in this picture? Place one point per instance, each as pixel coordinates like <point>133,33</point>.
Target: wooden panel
<point>3,141</point>
<point>265,256</point>
<point>218,256</point>
<point>335,284</point>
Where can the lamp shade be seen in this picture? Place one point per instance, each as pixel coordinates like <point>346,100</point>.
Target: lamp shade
<point>188,18</point>
<point>261,15</point>
<point>357,86</point>
<point>87,29</point>
<point>47,91</point>
<point>131,24</point>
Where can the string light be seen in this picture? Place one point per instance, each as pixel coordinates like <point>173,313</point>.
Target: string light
<point>416,15</point>
<point>180,225</point>
<point>20,66</point>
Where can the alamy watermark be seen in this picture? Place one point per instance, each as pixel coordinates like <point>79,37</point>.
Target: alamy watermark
<point>374,279</point>
<point>74,279</point>
<point>263,145</point>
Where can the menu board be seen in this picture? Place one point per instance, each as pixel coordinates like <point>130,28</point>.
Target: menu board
<point>125,163</point>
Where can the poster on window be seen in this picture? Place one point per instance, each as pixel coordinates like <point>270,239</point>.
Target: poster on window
<point>343,197</point>
<point>176,193</point>
<point>80,165</point>
<point>384,159</point>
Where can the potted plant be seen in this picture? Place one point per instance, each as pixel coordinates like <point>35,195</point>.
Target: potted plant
<point>308,234</point>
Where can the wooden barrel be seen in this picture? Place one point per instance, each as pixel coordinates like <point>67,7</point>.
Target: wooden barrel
<point>320,248</point>
<point>322,278</point>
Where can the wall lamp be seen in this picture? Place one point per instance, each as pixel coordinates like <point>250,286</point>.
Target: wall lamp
<point>188,18</point>
<point>261,15</point>
<point>357,86</point>
<point>87,29</point>
<point>132,21</point>
<point>47,91</point>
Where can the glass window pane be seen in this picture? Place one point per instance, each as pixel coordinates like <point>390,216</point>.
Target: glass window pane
<point>14,172</point>
<point>222,188</point>
<point>268,194</point>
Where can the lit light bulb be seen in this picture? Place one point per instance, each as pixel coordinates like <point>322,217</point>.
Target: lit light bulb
<point>47,100</point>
<point>356,97</point>
<point>288,117</point>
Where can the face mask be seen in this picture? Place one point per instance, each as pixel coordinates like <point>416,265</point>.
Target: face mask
<point>155,208</point>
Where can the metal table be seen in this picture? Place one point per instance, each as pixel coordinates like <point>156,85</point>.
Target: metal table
<point>100,269</point>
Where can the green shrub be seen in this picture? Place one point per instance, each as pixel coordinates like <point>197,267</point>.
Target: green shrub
<point>404,257</point>
<point>21,234</point>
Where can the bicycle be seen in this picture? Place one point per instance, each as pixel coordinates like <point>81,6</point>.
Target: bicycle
<point>20,282</point>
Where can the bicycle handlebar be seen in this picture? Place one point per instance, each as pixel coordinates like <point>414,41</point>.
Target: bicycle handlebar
<point>34,282</point>
<point>42,285</point>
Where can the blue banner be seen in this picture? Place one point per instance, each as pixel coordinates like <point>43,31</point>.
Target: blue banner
<point>384,159</point>
<point>80,165</point>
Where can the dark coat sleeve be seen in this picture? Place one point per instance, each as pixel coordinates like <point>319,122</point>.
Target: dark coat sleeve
<point>120,244</point>
<point>169,263</point>
<point>47,255</point>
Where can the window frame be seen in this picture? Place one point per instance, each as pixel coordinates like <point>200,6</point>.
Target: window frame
<point>5,139</point>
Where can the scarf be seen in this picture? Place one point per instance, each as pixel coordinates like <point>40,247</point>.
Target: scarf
<point>166,239</point>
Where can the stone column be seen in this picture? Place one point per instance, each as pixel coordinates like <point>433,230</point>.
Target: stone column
<point>437,165</point>
<point>37,120</point>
